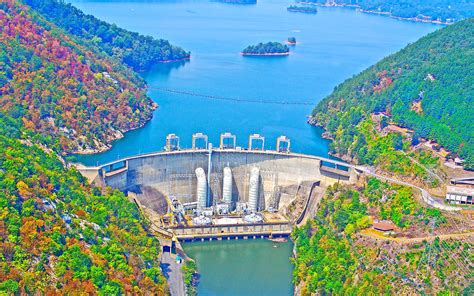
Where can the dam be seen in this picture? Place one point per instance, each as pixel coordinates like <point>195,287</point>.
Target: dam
<point>223,192</point>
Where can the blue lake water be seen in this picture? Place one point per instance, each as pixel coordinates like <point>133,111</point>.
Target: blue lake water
<point>333,45</point>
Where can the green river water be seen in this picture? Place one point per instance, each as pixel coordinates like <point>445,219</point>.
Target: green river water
<point>243,267</point>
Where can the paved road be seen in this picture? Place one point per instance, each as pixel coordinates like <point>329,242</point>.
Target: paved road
<point>172,272</point>
<point>410,240</point>
<point>427,198</point>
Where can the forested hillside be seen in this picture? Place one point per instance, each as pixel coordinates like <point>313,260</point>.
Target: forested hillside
<point>338,253</point>
<point>432,10</point>
<point>61,237</point>
<point>138,51</point>
<point>76,99</point>
<point>427,86</point>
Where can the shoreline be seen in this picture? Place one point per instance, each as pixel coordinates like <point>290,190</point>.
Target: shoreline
<point>265,54</point>
<point>176,60</point>
<point>301,11</point>
<point>383,13</point>
<point>107,145</point>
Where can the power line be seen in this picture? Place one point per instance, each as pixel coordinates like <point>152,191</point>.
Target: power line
<point>233,99</point>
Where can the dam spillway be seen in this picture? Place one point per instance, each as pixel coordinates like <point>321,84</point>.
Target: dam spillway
<point>174,173</point>
<point>220,183</point>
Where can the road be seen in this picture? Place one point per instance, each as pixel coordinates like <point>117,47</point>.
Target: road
<point>407,240</point>
<point>427,198</point>
<point>174,275</point>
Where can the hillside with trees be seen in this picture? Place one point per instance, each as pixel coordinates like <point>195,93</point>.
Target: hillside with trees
<point>138,51</point>
<point>61,237</point>
<point>269,49</point>
<point>339,253</point>
<point>427,87</point>
<point>76,99</point>
<point>445,11</point>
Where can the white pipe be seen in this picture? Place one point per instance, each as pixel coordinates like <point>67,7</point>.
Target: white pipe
<point>253,190</point>
<point>201,191</point>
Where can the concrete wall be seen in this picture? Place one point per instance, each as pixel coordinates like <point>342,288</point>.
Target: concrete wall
<point>224,231</point>
<point>173,173</point>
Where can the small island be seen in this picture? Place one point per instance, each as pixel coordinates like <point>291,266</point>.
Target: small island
<point>267,49</point>
<point>291,41</point>
<point>238,1</point>
<point>302,9</point>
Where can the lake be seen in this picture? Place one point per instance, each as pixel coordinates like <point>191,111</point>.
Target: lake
<point>332,46</point>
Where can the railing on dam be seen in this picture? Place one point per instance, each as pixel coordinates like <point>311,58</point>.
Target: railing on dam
<point>224,231</point>
<point>108,167</point>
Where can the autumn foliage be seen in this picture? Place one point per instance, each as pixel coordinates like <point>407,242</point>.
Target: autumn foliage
<point>58,236</point>
<point>78,99</point>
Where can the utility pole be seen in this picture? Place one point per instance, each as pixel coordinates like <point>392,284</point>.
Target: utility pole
<point>209,168</point>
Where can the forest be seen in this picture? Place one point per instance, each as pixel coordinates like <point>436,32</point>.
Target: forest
<point>335,255</point>
<point>268,48</point>
<point>67,96</point>
<point>60,236</point>
<point>427,87</point>
<point>138,51</point>
<point>448,11</point>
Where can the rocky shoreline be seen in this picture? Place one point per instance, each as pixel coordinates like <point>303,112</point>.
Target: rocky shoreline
<point>265,54</point>
<point>103,146</point>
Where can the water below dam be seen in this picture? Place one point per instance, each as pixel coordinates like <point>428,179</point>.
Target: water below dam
<point>332,46</point>
<point>243,267</point>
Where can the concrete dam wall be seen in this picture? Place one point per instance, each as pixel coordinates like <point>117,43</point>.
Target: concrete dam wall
<point>173,174</point>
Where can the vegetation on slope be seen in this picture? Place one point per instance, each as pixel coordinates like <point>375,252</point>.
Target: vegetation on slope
<point>433,10</point>
<point>76,99</point>
<point>59,236</point>
<point>304,9</point>
<point>269,48</point>
<point>435,73</point>
<point>333,257</point>
<point>138,51</point>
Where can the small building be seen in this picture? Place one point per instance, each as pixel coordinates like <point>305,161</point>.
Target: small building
<point>458,161</point>
<point>384,226</point>
<point>460,195</point>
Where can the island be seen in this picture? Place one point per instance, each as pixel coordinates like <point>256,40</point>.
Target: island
<point>291,41</point>
<point>267,49</point>
<point>238,1</point>
<point>302,9</point>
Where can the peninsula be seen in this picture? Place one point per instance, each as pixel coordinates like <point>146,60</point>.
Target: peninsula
<point>267,49</point>
<point>443,12</point>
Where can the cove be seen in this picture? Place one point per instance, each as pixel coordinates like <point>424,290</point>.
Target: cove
<point>333,45</point>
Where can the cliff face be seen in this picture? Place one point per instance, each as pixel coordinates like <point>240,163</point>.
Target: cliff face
<point>77,99</point>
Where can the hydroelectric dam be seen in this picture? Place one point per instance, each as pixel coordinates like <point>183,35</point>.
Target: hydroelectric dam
<point>223,192</point>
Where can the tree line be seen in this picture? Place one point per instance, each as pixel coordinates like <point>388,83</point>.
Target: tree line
<point>138,51</point>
